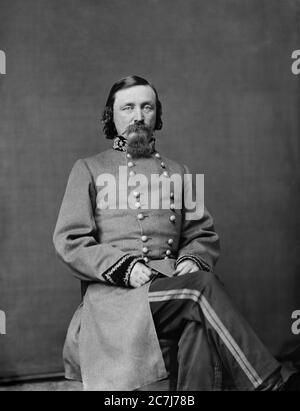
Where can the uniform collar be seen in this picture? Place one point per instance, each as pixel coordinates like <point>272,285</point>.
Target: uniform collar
<point>120,143</point>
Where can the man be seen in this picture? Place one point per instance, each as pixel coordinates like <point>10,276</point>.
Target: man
<point>147,272</point>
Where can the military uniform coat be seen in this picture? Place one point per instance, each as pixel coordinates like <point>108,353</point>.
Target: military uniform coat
<point>111,342</point>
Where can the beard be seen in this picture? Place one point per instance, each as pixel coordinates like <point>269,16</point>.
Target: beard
<point>139,136</point>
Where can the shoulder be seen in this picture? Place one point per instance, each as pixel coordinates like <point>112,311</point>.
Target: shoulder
<point>104,157</point>
<point>104,161</point>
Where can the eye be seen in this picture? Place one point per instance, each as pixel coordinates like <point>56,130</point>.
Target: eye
<point>127,108</point>
<point>148,108</point>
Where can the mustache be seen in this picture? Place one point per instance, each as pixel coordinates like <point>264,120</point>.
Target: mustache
<point>138,127</point>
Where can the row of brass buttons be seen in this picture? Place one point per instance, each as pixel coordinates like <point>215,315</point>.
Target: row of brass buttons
<point>141,216</point>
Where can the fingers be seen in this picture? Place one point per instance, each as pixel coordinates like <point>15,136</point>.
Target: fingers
<point>186,267</point>
<point>143,277</point>
<point>184,270</point>
<point>141,268</point>
<point>144,273</point>
<point>138,281</point>
<point>140,275</point>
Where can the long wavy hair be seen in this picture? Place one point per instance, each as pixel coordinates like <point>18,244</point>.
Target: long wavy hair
<point>109,128</point>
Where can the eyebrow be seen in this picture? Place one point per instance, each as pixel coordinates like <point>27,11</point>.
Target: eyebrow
<point>143,104</point>
<point>126,104</point>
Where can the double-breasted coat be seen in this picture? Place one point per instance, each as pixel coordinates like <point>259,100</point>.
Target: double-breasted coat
<point>111,342</point>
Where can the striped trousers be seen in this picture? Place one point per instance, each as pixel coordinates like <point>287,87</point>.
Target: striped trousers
<point>196,312</point>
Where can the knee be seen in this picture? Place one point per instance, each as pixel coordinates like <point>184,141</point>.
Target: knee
<point>203,279</point>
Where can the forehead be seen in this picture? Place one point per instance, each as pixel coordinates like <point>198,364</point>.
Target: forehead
<point>136,95</point>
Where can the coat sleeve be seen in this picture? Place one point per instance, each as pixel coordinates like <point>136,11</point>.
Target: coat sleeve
<point>75,235</point>
<point>198,241</point>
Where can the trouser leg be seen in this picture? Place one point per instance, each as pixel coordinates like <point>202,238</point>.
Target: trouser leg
<point>196,365</point>
<point>200,297</point>
<point>195,360</point>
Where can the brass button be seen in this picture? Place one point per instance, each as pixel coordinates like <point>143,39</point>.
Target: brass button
<point>140,216</point>
<point>136,194</point>
<point>144,238</point>
<point>166,174</point>
<point>131,173</point>
<point>168,252</point>
<point>128,155</point>
<point>172,218</point>
<point>138,204</point>
<point>146,259</point>
<point>170,241</point>
<point>163,164</point>
<point>166,257</point>
<point>172,206</point>
<point>172,195</point>
<point>130,164</point>
<point>157,155</point>
<point>145,250</point>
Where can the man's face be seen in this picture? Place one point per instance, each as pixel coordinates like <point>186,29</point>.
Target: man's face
<point>132,105</point>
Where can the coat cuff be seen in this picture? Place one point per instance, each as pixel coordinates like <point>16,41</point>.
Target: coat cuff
<point>119,273</point>
<point>199,261</point>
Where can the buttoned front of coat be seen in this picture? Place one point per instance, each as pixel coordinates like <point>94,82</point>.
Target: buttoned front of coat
<point>114,214</point>
<point>139,213</point>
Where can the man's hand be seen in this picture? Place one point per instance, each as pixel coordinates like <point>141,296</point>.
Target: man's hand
<point>185,267</point>
<point>140,275</point>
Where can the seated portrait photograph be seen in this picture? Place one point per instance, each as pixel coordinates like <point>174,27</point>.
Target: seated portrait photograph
<point>149,198</point>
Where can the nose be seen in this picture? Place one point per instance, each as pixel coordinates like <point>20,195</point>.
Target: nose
<point>138,115</point>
